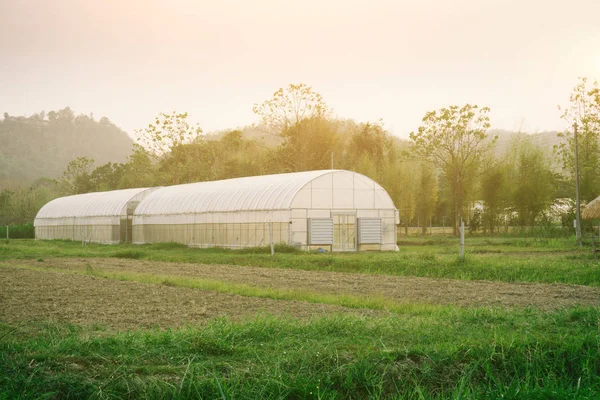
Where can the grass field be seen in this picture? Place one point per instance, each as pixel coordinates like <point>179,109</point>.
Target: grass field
<point>519,318</point>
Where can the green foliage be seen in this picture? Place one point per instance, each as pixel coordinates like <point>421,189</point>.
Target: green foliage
<point>229,157</point>
<point>583,110</point>
<point>494,189</point>
<point>479,353</point>
<point>454,139</point>
<point>531,178</point>
<point>426,195</point>
<point>25,231</point>
<point>21,205</point>
<point>77,177</point>
<point>289,107</point>
<point>168,130</point>
<point>307,145</point>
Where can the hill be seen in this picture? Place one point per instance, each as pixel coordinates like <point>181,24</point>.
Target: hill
<point>545,140</point>
<point>42,145</point>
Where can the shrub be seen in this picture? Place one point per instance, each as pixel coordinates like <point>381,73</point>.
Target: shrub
<point>25,231</point>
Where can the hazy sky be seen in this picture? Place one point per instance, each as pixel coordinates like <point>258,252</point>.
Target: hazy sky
<point>395,60</point>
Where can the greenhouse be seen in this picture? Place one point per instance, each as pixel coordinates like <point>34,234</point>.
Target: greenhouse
<point>102,217</point>
<point>334,210</point>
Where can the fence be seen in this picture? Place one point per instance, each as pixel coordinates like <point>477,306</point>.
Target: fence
<point>553,230</point>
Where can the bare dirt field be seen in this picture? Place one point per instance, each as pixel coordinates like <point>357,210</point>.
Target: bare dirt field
<point>28,295</point>
<point>400,289</point>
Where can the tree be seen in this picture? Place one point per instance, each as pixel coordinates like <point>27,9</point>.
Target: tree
<point>426,192</point>
<point>290,106</point>
<point>371,140</point>
<point>454,139</point>
<point>77,177</point>
<point>107,176</point>
<point>532,181</point>
<point>493,194</point>
<point>307,145</point>
<point>6,207</point>
<point>406,197</point>
<point>584,110</point>
<point>167,131</point>
<point>139,170</point>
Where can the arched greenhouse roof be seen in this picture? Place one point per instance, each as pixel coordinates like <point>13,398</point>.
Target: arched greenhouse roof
<point>267,192</point>
<point>98,204</point>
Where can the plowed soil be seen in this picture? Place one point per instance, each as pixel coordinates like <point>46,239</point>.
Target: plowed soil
<point>28,295</point>
<point>123,303</point>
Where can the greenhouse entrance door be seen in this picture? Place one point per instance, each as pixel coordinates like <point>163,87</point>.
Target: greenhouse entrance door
<point>344,232</point>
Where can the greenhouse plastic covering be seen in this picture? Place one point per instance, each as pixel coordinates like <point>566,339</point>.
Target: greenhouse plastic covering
<point>267,192</point>
<point>99,204</point>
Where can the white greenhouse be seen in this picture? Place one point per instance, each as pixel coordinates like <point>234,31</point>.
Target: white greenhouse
<point>332,209</point>
<point>103,217</point>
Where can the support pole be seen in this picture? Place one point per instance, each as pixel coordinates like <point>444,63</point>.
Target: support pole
<point>271,238</point>
<point>577,201</point>
<point>7,236</point>
<point>462,240</point>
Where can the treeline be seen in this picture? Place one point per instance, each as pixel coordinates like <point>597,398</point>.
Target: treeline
<point>451,168</point>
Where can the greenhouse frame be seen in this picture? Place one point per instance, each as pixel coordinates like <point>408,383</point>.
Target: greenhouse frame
<point>334,210</point>
<point>101,217</point>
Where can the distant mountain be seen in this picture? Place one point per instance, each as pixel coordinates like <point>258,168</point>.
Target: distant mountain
<point>545,140</point>
<point>42,145</point>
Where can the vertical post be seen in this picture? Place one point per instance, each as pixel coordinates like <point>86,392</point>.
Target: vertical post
<point>7,236</point>
<point>430,226</point>
<point>332,160</point>
<point>577,201</point>
<point>462,239</point>
<point>271,238</point>
<point>443,225</point>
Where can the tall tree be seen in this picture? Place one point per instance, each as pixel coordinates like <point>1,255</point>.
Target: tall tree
<point>426,193</point>
<point>532,181</point>
<point>454,139</point>
<point>307,145</point>
<point>289,106</point>
<point>406,197</point>
<point>493,194</point>
<point>373,141</point>
<point>583,110</point>
<point>168,130</point>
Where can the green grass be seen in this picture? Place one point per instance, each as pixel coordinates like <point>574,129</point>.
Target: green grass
<point>502,259</point>
<point>470,354</point>
<point>420,352</point>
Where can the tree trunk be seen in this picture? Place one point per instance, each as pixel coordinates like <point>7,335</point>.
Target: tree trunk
<point>458,203</point>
